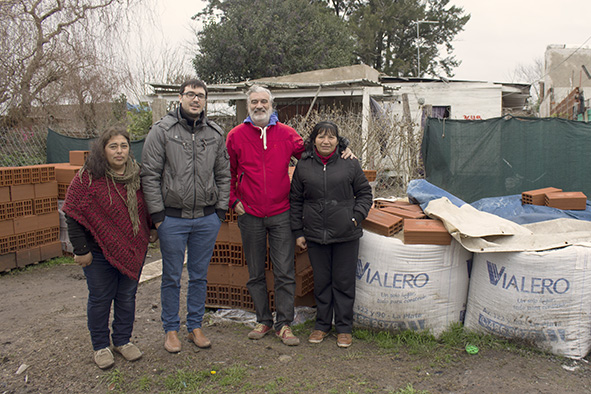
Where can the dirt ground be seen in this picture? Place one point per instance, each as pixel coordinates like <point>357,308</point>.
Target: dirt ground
<point>43,326</point>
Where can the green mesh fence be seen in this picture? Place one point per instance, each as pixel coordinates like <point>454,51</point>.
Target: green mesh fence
<point>505,156</point>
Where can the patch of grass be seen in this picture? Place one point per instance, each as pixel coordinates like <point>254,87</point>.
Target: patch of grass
<point>353,355</point>
<point>448,348</point>
<point>418,342</point>
<point>455,338</point>
<point>303,329</point>
<point>219,380</point>
<point>144,383</point>
<point>63,260</point>
<point>186,381</point>
<point>114,380</point>
<point>232,376</point>
<point>410,390</point>
<point>271,387</point>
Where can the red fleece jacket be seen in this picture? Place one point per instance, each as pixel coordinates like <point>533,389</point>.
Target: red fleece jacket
<point>260,178</point>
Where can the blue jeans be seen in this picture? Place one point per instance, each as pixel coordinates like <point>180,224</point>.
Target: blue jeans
<point>198,237</point>
<point>106,286</point>
<point>254,232</point>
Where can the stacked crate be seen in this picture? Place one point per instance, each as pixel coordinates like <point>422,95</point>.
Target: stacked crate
<point>29,219</point>
<point>228,273</point>
<point>64,173</point>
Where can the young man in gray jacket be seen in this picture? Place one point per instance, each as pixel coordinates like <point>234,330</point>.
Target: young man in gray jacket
<point>186,184</point>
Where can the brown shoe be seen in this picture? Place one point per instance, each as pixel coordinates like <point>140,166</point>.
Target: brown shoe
<point>344,340</point>
<point>172,343</point>
<point>199,338</point>
<point>317,336</point>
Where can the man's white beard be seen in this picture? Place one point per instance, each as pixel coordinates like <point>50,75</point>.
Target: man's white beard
<point>261,117</point>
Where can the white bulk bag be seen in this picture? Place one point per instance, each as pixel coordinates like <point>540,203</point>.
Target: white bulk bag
<point>542,297</point>
<point>416,287</point>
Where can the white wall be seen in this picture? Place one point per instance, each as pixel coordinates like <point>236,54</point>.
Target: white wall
<point>468,100</point>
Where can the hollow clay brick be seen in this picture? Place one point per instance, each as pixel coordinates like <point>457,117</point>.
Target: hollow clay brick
<point>4,193</point>
<point>26,257</point>
<point>425,231</point>
<point>65,172</point>
<point>22,192</point>
<point>50,250</point>
<point>382,223</point>
<point>46,189</point>
<point>403,213</point>
<point>78,157</point>
<point>371,175</point>
<point>7,262</point>
<point>538,196</point>
<point>567,200</point>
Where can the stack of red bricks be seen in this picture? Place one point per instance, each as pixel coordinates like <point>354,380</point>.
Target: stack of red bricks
<point>228,273</point>
<point>555,198</point>
<point>390,217</point>
<point>29,219</point>
<point>65,172</point>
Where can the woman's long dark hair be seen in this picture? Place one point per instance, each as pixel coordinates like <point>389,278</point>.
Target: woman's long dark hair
<point>97,164</point>
<point>325,126</point>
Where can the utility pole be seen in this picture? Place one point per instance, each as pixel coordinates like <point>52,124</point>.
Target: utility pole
<point>418,23</point>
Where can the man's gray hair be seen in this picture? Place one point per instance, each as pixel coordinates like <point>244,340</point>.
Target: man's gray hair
<point>258,89</point>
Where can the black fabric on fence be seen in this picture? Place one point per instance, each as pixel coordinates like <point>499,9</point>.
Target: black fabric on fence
<point>59,147</point>
<point>474,159</point>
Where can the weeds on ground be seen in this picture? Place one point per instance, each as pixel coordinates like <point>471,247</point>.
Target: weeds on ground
<point>410,390</point>
<point>184,380</point>
<point>114,380</point>
<point>442,349</point>
<point>63,260</point>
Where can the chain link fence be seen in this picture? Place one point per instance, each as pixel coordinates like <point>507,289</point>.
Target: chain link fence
<point>22,146</point>
<point>389,146</point>
<point>27,145</point>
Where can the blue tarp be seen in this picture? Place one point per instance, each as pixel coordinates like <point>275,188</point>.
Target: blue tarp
<point>507,207</point>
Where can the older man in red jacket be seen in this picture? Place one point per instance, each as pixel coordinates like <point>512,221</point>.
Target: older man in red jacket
<point>260,150</point>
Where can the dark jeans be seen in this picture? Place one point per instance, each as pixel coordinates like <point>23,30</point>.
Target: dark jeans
<point>277,229</point>
<point>106,286</point>
<point>334,268</point>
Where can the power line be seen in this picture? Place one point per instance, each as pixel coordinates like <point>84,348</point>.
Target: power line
<point>563,61</point>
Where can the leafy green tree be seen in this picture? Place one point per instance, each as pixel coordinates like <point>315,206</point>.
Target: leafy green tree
<point>245,40</point>
<point>386,34</point>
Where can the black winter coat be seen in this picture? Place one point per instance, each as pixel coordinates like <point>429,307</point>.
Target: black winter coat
<point>325,199</point>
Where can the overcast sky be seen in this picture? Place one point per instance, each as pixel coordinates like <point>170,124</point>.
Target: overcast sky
<point>500,36</point>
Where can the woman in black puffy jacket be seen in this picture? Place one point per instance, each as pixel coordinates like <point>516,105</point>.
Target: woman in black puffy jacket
<point>329,198</point>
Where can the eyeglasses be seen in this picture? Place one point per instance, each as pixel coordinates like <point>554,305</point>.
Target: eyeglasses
<point>192,95</point>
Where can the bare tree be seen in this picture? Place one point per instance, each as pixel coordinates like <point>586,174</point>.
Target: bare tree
<point>532,73</point>
<point>58,52</point>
